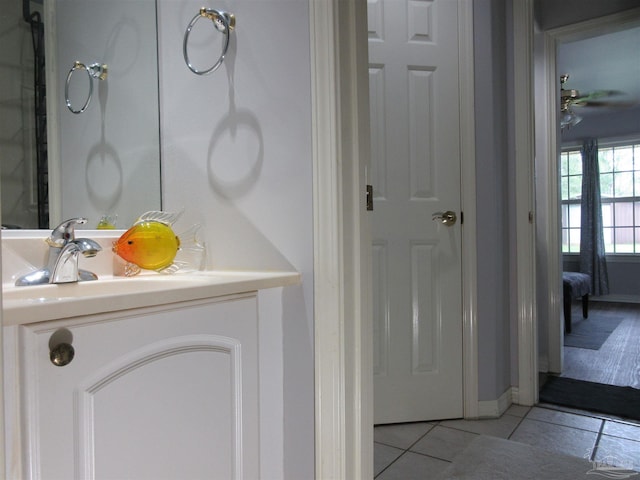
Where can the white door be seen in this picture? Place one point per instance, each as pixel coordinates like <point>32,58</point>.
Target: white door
<point>414,101</point>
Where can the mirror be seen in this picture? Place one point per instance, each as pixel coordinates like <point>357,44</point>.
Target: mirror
<point>57,164</point>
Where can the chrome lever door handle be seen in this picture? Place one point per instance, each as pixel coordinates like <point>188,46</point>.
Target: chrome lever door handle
<point>447,218</point>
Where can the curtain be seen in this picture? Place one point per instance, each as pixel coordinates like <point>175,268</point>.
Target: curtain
<point>592,256</point>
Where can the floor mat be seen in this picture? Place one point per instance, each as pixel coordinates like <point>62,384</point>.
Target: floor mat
<point>596,397</point>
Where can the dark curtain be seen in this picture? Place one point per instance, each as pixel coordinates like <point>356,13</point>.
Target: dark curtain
<point>592,256</point>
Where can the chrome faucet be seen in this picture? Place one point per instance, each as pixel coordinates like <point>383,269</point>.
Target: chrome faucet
<point>64,250</point>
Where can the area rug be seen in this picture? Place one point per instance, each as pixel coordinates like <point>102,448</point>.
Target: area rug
<point>490,458</point>
<point>591,332</point>
<point>596,397</point>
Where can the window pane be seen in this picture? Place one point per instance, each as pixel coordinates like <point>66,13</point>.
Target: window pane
<point>605,158</point>
<point>623,158</point>
<point>575,187</point>
<point>623,184</point>
<point>574,240</point>
<point>564,188</point>
<point>564,162</point>
<point>575,163</point>
<point>564,213</point>
<point>637,242</point>
<point>636,177</point>
<point>606,185</point>
<point>623,214</point>
<point>574,215</point>
<point>565,240</point>
<point>607,215</point>
<point>608,240</point>
<point>624,240</point>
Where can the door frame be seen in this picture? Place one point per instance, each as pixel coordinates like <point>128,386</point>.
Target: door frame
<point>552,38</point>
<point>342,235</point>
<point>526,393</point>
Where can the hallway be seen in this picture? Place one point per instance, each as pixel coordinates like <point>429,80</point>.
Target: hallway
<point>422,450</point>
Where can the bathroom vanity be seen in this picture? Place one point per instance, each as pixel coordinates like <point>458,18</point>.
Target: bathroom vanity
<point>147,377</point>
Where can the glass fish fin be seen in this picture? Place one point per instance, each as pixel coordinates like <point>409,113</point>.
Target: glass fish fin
<point>131,269</point>
<point>168,218</point>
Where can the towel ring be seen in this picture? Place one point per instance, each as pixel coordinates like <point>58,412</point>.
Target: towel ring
<point>95,70</point>
<point>224,22</point>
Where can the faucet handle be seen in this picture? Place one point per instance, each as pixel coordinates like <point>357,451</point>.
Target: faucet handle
<point>65,232</point>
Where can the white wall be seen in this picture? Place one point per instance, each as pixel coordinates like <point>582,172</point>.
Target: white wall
<point>236,154</point>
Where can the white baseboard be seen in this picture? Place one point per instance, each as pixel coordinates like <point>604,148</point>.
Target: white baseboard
<point>616,298</point>
<point>495,408</point>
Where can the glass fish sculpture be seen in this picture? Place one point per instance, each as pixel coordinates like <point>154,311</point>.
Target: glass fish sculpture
<point>151,244</point>
<point>107,222</point>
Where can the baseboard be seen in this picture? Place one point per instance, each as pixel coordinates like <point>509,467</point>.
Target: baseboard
<point>495,408</point>
<point>515,395</point>
<point>616,298</point>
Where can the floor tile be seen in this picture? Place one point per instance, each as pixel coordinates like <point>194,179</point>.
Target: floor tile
<point>401,435</point>
<point>517,410</point>
<point>623,430</point>
<point>564,418</point>
<point>444,443</point>
<point>383,455</point>
<point>496,427</point>
<point>556,438</point>
<point>619,452</point>
<point>413,466</point>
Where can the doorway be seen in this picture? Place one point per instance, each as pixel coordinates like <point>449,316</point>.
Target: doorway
<point>555,357</point>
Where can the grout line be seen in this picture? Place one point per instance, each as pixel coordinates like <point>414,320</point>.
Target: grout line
<point>404,450</point>
<point>518,425</point>
<point>597,443</point>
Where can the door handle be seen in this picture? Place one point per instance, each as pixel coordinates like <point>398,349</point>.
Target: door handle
<point>447,218</point>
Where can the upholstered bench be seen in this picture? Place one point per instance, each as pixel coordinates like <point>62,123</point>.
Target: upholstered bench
<point>575,285</point>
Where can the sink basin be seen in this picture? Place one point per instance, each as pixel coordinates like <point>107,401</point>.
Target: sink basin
<point>21,305</point>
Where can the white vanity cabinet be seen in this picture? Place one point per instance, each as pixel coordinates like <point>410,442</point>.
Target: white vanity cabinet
<point>164,392</point>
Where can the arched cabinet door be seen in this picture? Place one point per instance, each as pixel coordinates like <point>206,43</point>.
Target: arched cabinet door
<point>156,393</point>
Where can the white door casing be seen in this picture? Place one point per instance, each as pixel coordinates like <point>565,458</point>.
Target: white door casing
<point>415,118</point>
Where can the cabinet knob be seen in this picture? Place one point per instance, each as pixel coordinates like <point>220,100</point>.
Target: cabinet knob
<point>62,354</point>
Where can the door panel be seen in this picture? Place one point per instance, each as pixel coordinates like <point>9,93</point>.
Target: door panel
<point>414,104</point>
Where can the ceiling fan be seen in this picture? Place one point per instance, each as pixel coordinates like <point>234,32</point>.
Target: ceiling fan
<point>573,98</point>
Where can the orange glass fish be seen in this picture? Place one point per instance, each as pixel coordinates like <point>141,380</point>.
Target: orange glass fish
<point>150,243</point>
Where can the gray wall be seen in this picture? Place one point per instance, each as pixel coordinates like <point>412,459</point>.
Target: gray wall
<point>492,190</point>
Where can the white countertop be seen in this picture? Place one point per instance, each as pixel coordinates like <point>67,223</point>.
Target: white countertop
<point>23,305</point>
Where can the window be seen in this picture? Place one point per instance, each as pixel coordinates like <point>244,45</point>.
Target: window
<point>620,191</point>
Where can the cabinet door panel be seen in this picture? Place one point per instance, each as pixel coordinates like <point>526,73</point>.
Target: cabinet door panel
<point>169,394</point>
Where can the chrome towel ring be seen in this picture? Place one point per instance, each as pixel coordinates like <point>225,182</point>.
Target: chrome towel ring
<point>224,22</point>
<point>95,70</point>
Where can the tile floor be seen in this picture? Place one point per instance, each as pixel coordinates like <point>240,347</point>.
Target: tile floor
<point>421,450</point>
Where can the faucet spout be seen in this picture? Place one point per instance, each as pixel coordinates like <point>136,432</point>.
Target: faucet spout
<point>65,267</point>
<point>64,250</point>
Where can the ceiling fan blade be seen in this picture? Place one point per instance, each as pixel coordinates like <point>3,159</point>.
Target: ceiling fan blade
<point>597,94</point>
<point>606,104</point>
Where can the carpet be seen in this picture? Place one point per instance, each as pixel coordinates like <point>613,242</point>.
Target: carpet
<point>591,332</point>
<point>491,458</point>
<point>596,397</point>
